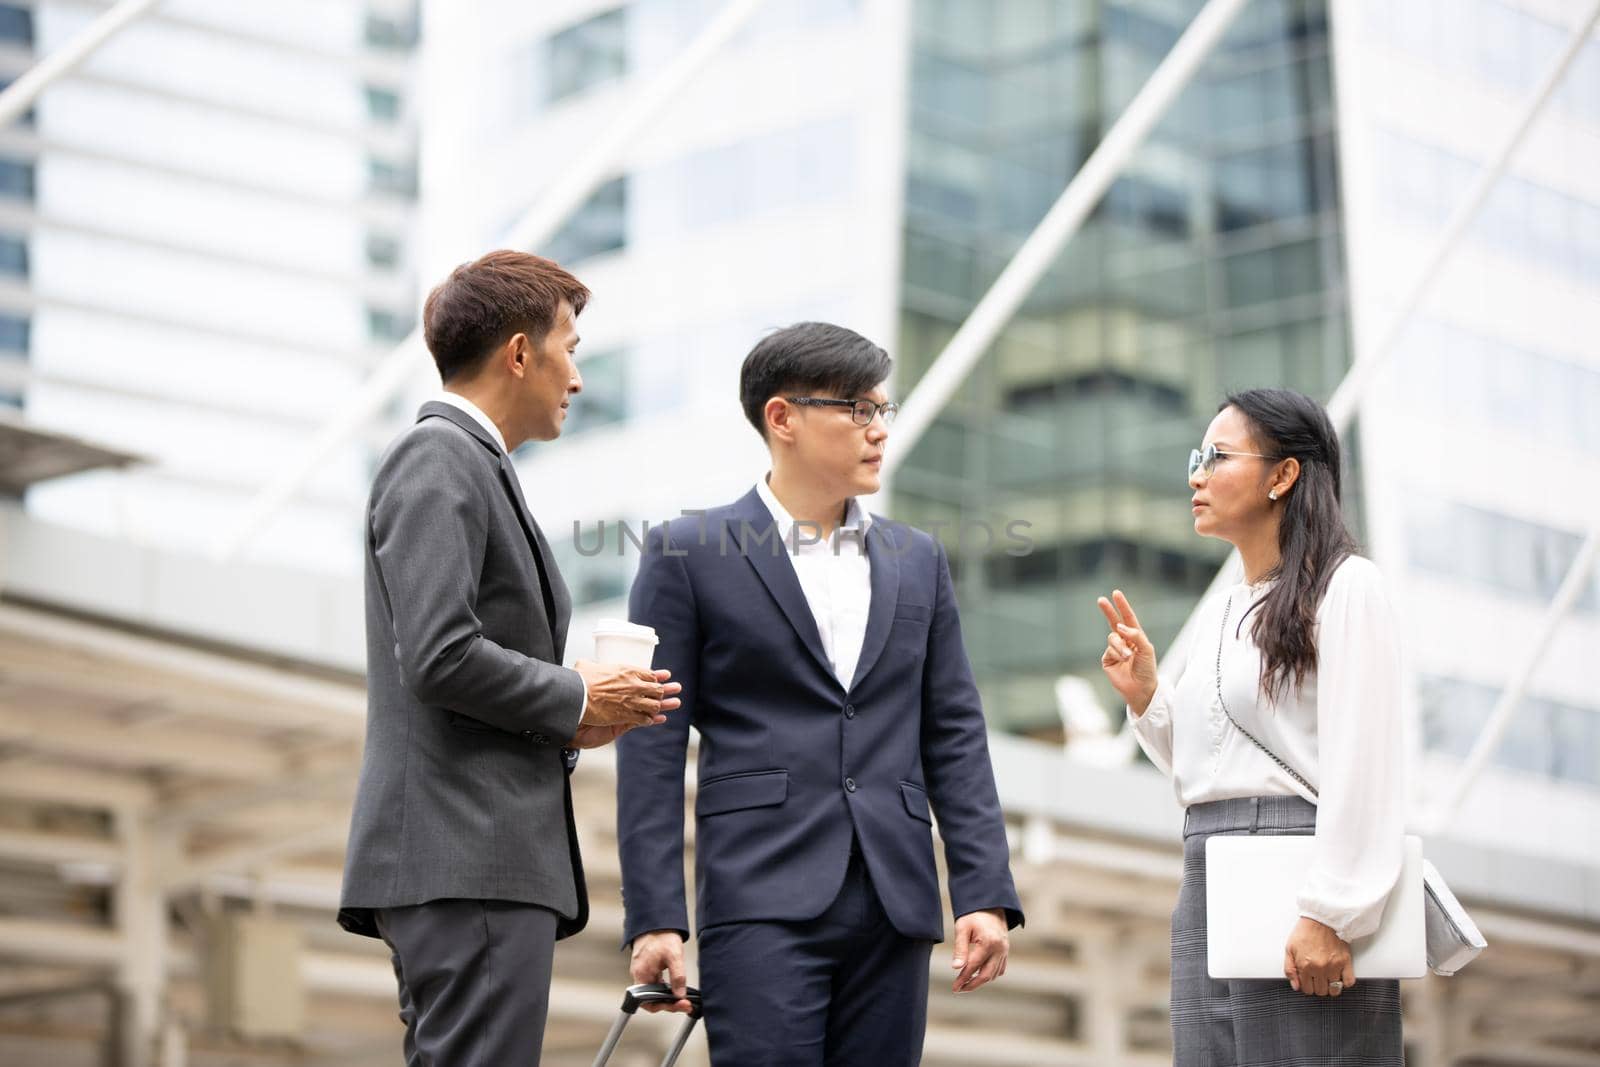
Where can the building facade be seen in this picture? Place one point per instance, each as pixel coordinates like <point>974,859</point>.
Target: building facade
<point>1479,429</point>
<point>210,229</point>
<point>1214,263</point>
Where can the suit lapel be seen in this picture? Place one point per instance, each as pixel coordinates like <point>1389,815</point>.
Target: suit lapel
<point>754,535</point>
<point>552,590</point>
<point>557,599</point>
<point>884,555</point>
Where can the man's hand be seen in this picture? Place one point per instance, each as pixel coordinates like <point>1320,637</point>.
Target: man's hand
<point>982,945</point>
<point>596,736</point>
<point>657,952</point>
<point>626,696</point>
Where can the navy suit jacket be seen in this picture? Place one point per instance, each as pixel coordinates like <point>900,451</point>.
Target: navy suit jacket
<point>792,764</point>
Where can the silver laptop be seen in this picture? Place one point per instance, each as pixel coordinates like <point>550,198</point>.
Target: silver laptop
<point>1251,885</point>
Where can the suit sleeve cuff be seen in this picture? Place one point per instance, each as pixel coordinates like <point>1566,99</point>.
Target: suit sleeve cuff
<point>1013,914</point>
<point>679,927</point>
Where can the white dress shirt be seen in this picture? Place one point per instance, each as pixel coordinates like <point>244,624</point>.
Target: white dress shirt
<point>1340,730</point>
<point>836,577</point>
<point>456,400</point>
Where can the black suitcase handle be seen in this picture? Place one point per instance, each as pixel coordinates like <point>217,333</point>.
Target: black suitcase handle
<point>659,993</point>
<point>651,993</point>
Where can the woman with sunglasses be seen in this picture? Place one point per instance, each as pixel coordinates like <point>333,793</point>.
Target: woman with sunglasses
<point>1301,656</point>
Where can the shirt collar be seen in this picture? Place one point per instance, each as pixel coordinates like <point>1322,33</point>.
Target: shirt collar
<point>856,518</point>
<point>456,400</point>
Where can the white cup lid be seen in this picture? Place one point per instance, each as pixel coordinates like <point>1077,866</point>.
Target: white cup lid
<point>624,628</point>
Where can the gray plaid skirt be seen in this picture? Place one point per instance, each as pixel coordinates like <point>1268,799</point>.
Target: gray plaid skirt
<point>1235,1023</point>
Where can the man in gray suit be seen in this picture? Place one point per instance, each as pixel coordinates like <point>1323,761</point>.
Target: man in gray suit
<point>463,854</point>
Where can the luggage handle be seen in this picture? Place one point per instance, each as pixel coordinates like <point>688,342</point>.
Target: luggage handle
<point>659,993</point>
<point>651,993</point>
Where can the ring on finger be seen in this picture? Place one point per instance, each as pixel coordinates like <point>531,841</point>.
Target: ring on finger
<point>1336,987</point>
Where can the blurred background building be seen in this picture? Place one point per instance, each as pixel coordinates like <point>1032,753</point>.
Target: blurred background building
<point>214,231</point>
<point>210,235</point>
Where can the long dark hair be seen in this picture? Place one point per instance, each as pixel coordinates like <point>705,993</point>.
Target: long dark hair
<point>1312,537</point>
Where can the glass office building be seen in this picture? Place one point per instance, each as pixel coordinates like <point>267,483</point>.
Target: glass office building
<point>1214,263</point>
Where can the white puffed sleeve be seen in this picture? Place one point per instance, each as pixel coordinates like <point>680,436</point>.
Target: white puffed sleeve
<point>1360,756</point>
<point>1153,729</point>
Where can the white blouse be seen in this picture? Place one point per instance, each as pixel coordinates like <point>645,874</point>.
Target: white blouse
<point>1340,729</point>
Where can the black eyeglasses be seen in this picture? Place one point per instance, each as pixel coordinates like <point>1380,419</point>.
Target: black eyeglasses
<point>861,411</point>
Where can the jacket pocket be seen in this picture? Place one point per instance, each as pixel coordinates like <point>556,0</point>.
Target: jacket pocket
<point>916,799</point>
<point>735,792</point>
<point>471,725</point>
<point>913,612</point>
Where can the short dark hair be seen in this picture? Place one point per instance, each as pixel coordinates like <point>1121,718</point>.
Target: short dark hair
<point>808,357</point>
<point>484,302</point>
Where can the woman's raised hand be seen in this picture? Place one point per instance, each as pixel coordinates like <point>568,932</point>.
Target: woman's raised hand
<point>1130,658</point>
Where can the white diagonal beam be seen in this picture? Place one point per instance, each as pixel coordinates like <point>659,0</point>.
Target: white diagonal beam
<point>1494,729</point>
<point>951,367</point>
<point>20,94</point>
<point>1369,357</point>
<point>539,223</point>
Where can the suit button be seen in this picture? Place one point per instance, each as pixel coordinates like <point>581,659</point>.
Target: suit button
<point>849,785</point>
<point>849,711</point>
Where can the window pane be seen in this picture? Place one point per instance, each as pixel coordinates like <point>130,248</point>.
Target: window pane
<point>383,251</point>
<point>604,400</point>
<point>16,24</point>
<point>384,325</point>
<point>593,52</point>
<point>383,105</point>
<point>16,179</point>
<point>388,176</point>
<point>600,225</point>
<point>1513,556</point>
<point>13,255</point>
<point>14,333</point>
<point>391,32</point>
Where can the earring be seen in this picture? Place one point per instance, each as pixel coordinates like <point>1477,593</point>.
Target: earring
<point>1272,495</point>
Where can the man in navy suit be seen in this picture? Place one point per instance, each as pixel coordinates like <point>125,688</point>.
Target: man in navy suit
<point>820,654</point>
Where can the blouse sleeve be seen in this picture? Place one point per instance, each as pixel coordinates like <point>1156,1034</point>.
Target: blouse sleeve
<point>1153,729</point>
<point>1360,756</point>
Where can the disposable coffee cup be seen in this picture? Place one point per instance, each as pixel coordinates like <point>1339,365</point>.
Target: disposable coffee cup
<point>621,641</point>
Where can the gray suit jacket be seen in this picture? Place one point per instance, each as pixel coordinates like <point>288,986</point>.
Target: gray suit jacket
<point>463,790</point>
